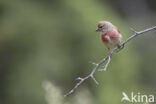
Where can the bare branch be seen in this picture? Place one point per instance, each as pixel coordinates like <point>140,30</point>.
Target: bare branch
<point>105,67</point>
<point>94,79</point>
<point>108,57</point>
<point>133,30</point>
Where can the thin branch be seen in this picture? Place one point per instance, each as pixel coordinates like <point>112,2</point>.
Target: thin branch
<point>105,67</point>
<point>108,57</point>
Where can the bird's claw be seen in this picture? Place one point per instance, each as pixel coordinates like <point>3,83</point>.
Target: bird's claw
<point>120,47</point>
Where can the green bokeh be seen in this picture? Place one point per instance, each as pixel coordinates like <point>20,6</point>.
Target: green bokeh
<point>54,40</point>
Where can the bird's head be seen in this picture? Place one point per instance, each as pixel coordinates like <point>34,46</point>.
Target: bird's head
<point>104,26</point>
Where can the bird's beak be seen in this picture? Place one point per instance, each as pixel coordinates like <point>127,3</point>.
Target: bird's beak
<point>97,29</point>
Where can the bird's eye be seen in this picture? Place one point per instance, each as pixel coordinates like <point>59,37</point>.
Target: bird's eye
<point>100,26</point>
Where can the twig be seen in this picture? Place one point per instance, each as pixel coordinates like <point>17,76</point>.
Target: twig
<point>105,67</point>
<point>108,57</point>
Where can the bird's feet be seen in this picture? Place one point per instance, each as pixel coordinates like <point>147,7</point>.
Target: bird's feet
<point>120,47</point>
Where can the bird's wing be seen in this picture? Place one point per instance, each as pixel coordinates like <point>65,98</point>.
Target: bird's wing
<point>113,34</point>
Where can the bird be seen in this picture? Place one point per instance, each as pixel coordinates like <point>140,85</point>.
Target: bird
<point>110,35</point>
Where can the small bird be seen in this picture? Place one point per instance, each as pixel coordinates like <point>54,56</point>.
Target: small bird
<point>110,35</point>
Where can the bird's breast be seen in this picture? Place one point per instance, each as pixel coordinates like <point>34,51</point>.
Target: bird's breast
<point>104,38</point>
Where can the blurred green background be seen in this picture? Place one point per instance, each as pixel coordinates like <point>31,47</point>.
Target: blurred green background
<point>46,44</point>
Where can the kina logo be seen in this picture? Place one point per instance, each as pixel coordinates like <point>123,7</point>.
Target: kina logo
<point>135,98</point>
